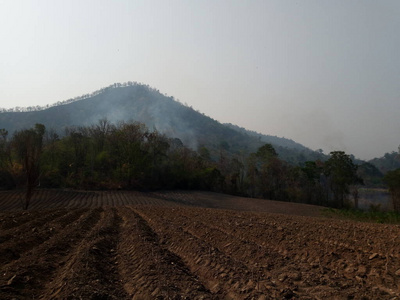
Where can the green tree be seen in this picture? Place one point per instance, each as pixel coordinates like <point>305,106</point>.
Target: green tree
<point>6,180</point>
<point>370,174</point>
<point>252,175</point>
<point>342,173</point>
<point>155,149</point>
<point>392,178</point>
<point>130,155</point>
<point>100,133</point>
<point>310,178</point>
<point>266,153</point>
<point>75,162</point>
<point>4,150</point>
<point>237,174</point>
<point>270,172</point>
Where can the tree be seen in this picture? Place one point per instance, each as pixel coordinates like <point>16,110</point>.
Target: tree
<point>4,149</point>
<point>6,180</point>
<point>76,150</point>
<point>269,172</point>
<point>237,174</point>
<point>129,152</point>
<point>341,172</point>
<point>27,145</point>
<point>100,132</point>
<point>266,153</point>
<point>392,178</point>
<point>310,180</point>
<point>252,175</point>
<point>370,174</point>
<point>51,160</point>
<point>156,148</point>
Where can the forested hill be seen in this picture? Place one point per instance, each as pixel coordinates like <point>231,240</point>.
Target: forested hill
<point>277,141</point>
<point>132,101</point>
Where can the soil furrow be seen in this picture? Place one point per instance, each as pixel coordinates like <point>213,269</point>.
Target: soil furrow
<point>259,261</point>
<point>5,200</point>
<point>282,262</point>
<point>298,274</point>
<point>13,220</point>
<point>17,245</point>
<point>345,234</point>
<point>160,249</point>
<point>11,200</point>
<point>341,263</point>
<point>222,275</point>
<point>37,220</point>
<point>24,278</point>
<point>332,256</point>
<point>150,270</point>
<point>90,271</point>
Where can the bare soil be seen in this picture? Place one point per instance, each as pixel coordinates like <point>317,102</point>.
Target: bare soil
<point>189,245</point>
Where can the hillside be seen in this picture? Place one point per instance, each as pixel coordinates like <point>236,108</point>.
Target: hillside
<point>132,101</point>
<point>285,147</point>
<point>388,162</point>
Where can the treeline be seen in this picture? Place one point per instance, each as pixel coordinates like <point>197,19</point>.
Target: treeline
<point>78,98</point>
<point>128,155</point>
<point>388,162</point>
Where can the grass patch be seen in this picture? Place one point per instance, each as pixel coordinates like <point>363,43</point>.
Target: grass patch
<point>372,216</point>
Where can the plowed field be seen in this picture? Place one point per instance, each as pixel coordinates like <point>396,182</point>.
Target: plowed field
<point>181,245</point>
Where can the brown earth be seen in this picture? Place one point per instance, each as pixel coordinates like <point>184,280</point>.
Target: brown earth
<point>189,245</point>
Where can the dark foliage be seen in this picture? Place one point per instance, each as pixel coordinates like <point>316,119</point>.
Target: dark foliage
<point>392,178</point>
<point>128,155</point>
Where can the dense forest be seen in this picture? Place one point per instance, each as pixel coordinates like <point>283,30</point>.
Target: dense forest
<point>128,155</point>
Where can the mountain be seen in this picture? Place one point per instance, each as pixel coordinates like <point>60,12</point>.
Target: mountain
<point>137,102</point>
<point>388,162</point>
<point>291,150</point>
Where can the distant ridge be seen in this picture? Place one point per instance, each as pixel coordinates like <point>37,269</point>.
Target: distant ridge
<point>78,98</point>
<point>278,141</point>
<point>137,102</point>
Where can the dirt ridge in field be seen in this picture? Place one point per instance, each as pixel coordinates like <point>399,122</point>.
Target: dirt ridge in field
<point>132,245</point>
<point>52,199</point>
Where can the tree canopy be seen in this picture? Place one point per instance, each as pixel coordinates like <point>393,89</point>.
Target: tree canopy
<point>392,178</point>
<point>128,155</point>
<point>342,172</point>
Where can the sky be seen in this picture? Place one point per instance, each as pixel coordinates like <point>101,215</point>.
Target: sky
<point>323,73</point>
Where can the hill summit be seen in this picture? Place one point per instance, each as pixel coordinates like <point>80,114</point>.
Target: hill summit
<point>137,102</point>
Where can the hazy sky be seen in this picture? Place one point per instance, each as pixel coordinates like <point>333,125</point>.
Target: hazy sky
<point>323,73</point>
